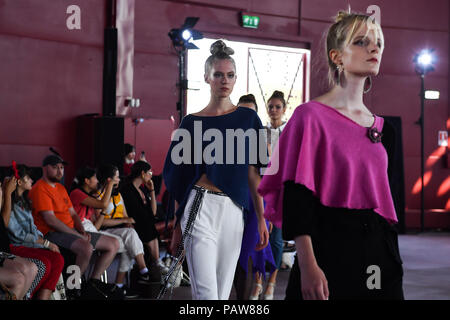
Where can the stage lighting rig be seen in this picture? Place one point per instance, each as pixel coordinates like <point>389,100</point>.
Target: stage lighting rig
<point>181,37</point>
<point>181,42</point>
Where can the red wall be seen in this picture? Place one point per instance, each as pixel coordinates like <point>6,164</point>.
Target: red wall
<point>51,74</point>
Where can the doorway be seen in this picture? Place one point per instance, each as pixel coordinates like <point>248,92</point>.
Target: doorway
<point>261,69</point>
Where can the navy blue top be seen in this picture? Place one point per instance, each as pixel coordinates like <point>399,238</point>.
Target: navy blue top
<point>224,158</point>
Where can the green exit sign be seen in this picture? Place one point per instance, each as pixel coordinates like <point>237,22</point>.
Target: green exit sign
<point>249,21</point>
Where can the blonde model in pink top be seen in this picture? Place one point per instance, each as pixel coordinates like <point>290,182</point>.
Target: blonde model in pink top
<point>331,192</point>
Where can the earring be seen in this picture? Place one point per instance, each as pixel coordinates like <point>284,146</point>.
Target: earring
<point>367,88</point>
<point>337,74</point>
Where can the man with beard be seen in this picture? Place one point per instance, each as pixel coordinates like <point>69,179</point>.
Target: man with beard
<point>56,218</point>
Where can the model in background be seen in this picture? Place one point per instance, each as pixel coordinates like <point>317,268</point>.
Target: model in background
<point>276,108</point>
<point>251,262</point>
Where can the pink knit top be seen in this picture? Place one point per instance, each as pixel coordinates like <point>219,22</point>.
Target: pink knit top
<point>334,157</point>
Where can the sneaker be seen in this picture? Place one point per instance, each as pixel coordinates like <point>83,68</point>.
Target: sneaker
<point>116,293</point>
<point>129,293</point>
<point>289,247</point>
<point>110,290</point>
<point>92,290</point>
<point>144,278</point>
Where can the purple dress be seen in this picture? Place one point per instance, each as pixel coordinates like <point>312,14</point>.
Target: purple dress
<point>249,241</point>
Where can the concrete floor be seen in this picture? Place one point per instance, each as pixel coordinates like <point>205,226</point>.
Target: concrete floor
<point>426,263</point>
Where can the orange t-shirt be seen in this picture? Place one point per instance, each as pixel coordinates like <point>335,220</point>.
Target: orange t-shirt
<point>44,197</point>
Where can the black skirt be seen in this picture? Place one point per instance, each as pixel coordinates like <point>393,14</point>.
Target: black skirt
<point>352,247</point>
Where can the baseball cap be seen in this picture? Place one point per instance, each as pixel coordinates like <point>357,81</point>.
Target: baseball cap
<point>53,160</point>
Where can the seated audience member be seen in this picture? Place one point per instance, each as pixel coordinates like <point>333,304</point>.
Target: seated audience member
<point>86,199</point>
<point>56,218</point>
<point>17,275</point>
<point>27,241</point>
<point>130,154</point>
<point>142,208</point>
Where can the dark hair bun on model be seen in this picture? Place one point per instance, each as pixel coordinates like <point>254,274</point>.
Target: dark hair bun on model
<point>278,95</point>
<point>219,48</point>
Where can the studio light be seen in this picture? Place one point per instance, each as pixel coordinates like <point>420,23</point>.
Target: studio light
<point>187,35</point>
<point>137,121</point>
<point>181,37</point>
<point>424,61</point>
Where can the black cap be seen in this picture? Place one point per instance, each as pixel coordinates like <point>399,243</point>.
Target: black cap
<point>53,159</point>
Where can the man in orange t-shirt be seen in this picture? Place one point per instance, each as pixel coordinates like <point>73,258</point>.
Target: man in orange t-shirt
<point>56,218</point>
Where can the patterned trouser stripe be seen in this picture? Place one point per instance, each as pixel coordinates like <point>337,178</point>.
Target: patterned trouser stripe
<point>40,274</point>
<point>178,260</point>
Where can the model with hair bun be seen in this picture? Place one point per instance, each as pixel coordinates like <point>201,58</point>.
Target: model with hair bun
<point>331,193</point>
<point>213,197</point>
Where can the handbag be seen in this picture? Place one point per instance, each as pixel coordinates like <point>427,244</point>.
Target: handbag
<point>60,290</point>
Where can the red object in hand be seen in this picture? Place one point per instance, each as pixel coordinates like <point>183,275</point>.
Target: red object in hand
<point>16,173</point>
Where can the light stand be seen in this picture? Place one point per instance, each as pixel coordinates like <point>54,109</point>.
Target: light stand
<point>182,83</point>
<point>423,62</point>
<point>180,40</point>
<point>422,151</point>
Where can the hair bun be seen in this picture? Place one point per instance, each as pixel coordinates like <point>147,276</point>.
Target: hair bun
<point>342,15</point>
<point>278,94</point>
<point>219,48</point>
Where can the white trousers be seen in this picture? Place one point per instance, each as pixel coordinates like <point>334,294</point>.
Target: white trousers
<point>130,243</point>
<point>213,250</point>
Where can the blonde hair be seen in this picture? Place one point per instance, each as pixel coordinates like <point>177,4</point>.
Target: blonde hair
<point>219,51</point>
<point>343,31</point>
